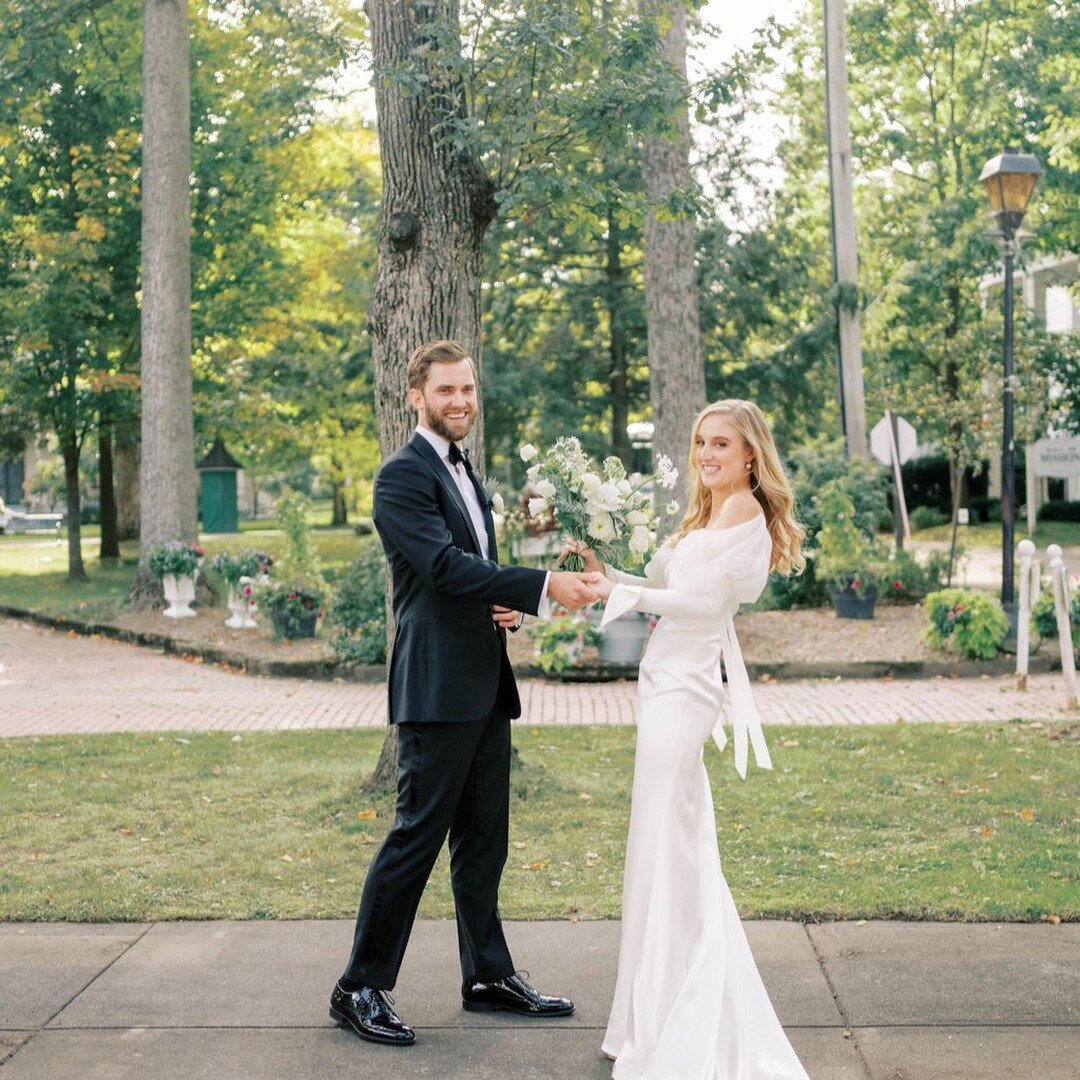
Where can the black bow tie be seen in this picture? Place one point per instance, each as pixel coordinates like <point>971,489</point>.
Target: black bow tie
<point>457,456</point>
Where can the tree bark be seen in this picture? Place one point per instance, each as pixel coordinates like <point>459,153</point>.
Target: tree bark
<point>676,370</point>
<point>70,449</point>
<point>167,487</point>
<point>618,383</point>
<point>126,479</point>
<point>437,203</point>
<point>110,538</point>
<point>340,512</point>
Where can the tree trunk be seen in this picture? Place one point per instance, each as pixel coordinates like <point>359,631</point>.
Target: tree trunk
<point>167,488</point>
<point>126,479</point>
<point>110,539</point>
<point>340,512</point>
<point>676,370</point>
<point>71,451</point>
<point>437,202</point>
<point>618,384</point>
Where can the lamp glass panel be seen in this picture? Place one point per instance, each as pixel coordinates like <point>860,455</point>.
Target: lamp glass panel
<point>994,193</point>
<point>1016,189</point>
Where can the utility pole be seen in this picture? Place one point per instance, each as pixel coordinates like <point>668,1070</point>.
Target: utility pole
<point>842,212</point>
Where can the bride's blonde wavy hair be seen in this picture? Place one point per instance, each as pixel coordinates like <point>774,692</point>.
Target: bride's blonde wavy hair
<point>767,481</point>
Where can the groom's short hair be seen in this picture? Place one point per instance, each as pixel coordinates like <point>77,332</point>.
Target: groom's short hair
<point>435,352</point>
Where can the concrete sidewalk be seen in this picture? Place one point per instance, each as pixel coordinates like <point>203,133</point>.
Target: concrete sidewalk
<point>248,1001</point>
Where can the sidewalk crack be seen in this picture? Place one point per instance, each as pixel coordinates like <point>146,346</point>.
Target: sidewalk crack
<point>849,1029</point>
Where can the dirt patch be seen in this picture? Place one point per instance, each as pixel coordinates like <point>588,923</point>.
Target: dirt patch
<point>812,635</point>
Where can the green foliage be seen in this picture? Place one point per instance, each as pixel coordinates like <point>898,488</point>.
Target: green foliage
<point>964,621</point>
<point>292,606</point>
<point>559,641</point>
<point>359,607</point>
<point>300,559</point>
<point>246,563</point>
<point>174,557</point>
<point>845,557</point>
<point>1044,617</point>
<point>926,517</point>
<point>904,578</point>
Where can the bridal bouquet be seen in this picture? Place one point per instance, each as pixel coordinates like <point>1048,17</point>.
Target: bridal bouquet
<point>597,504</point>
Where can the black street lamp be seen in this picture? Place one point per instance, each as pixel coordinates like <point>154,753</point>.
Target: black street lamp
<point>1009,180</point>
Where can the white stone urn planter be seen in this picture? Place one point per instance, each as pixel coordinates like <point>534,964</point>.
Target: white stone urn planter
<point>242,605</point>
<point>179,592</point>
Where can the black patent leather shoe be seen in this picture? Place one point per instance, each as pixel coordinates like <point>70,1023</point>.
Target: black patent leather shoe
<point>370,1014</point>
<point>511,994</point>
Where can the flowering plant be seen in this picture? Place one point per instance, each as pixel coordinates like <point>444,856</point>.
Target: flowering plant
<point>246,563</point>
<point>176,559</point>
<point>292,605</point>
<point>846,558</point>
<point>560,639</point>
<point>597,504</point>
<point>965,621</point>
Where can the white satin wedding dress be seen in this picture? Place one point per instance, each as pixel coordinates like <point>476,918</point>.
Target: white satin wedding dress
<point>689,1003</point>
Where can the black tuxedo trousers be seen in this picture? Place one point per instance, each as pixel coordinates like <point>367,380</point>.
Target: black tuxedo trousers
<point>453,778</point>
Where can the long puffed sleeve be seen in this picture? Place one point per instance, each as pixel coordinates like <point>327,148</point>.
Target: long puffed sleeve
<point>715,600</point>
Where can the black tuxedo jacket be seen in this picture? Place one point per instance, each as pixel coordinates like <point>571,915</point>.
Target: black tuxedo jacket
<point>448,658</point>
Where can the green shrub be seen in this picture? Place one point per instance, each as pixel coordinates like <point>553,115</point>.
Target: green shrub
<point>846,558</point>
<point>1060,510</point>
<point>559,641</point>
<point>926,517</point>
<point>359,607</point>
<point>905,578</point>
<point>1044,620</point>
<point>964,621</point>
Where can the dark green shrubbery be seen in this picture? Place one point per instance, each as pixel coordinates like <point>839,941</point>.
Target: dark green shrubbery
<point>964,621</point>
<point>359,607</point>
<point>1059,510</point>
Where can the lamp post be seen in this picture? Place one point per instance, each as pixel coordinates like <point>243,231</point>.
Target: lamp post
<point>1009,180</point>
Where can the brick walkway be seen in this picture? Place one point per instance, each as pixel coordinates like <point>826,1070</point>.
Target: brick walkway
<point>55,683</point>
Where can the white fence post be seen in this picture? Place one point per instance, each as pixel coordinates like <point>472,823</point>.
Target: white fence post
<point>1059,582</point>
<point>1026,550</point>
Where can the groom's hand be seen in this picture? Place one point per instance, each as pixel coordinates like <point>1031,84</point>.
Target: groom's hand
<point>571,590</point>
<point>507,618</point>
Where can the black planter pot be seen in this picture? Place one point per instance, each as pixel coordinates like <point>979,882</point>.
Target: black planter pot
<point>292,628</point>
<point>848,604</point>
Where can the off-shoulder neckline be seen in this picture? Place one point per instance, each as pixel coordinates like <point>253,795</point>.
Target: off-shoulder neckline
<point>730,528</point>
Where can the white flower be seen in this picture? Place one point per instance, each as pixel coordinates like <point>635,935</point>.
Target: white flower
<point>602,528</point>
<point>639,540</point>
<point>672,507</point>
<point>533,473</point>
<point>590,485</point>
<point>497,503</point>
<point>537,507</point>
<point>623,487</point>
<point>666,474</point>
<point>528,452</point>
<point>546,489</point>
<point>637,517</point>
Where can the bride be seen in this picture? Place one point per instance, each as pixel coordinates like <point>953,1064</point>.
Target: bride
<point>689,1002</point>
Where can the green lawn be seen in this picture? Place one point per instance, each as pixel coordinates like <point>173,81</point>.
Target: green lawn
<point>913,821</point>
<point>33,570</point>
<point>988,534</point>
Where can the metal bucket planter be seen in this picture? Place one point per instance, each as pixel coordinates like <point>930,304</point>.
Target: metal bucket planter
<point>622,641</point>
<point>292,628</point>
<point>848,604</point>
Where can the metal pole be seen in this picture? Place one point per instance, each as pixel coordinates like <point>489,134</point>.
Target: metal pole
<point>1008,449</point>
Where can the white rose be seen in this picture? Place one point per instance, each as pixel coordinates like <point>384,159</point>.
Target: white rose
<point>602,528</point>
<point>537,507</point>
<point>637,517</point>
<point>590,485</point>
<point>497,503</point>
<point>545,489</point>
<point>639,540</point>
<point>672,507</point>
<point>528,452</point>
<point>608,497</point>
<point>623,487</point>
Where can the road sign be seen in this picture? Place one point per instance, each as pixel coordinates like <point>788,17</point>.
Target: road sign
<point>906,440</point>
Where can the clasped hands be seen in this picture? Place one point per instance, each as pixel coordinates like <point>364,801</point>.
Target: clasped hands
<point>570,589</point>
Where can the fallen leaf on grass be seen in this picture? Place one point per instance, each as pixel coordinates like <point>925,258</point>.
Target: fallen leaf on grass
<point>1027,814</point>
<point>286,858</point>
<point>367,815</point>
<point>1054,919</point>
<point>518,844</point>
<point>535,865</point>
<point>986,832</point>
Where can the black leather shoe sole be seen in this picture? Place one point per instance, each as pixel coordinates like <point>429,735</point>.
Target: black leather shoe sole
<point>491,1006</point>
<point>345,1021</point>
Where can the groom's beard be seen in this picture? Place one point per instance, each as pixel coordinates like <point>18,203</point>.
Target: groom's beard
<point>453,431</point>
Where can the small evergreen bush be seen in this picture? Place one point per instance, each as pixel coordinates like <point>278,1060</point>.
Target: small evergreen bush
<point>926,517</point>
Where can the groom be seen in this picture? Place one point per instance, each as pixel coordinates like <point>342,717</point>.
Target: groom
<point>452,696</point>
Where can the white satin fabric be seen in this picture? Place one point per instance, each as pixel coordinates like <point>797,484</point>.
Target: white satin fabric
<point>689,1003</point>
